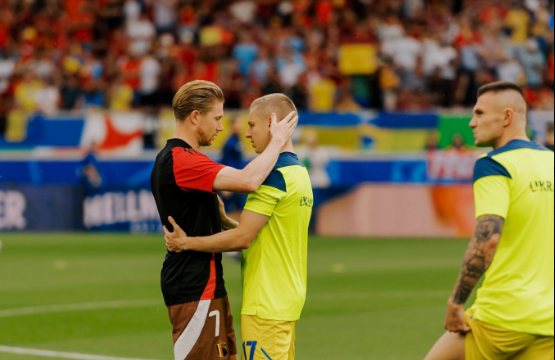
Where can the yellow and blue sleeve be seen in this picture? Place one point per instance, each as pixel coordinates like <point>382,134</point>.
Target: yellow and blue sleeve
<point>491,188</point>
<point>264,200</point>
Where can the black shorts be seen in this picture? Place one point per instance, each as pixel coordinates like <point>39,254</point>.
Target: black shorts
<point>203,330</point>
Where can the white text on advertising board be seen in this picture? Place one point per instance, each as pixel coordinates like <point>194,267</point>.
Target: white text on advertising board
<point>12,209</point>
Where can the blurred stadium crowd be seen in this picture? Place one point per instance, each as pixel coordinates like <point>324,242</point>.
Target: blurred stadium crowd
<point>124,54</point>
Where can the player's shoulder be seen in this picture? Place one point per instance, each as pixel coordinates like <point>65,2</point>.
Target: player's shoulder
<point>500,161</point>
<point>488,166</point>
<point>517,147</point>
<point>287,159</point>
<point>276,179</point>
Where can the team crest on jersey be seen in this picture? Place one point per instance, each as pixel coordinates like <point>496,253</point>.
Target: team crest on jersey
<point>221,349</point>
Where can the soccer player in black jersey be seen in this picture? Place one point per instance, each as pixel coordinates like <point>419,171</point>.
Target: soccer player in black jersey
<point>184,183</point>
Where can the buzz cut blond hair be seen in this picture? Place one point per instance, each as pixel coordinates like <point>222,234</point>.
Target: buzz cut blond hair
<point>196,95</point>
<point>280,104</point>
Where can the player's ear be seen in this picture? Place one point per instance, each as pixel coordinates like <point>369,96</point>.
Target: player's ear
<point>508,117</point>
<point>195,117</point>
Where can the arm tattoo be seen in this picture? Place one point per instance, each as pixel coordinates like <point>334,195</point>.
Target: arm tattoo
<point>479,255</point>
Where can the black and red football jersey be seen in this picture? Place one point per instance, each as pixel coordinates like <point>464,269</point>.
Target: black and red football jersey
<point>182,181</point>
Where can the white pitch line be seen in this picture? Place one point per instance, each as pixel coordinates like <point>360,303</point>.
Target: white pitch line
<point>378,295</point>
<point>58,354</point>
<point>79,307</point>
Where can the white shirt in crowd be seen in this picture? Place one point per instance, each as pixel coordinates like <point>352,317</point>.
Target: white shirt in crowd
<point>405,52</point>
<point>150,75</point>
<point>511,71</point>
<point>290,74</point>
<point>7,67</point>
<point>141,32</point>
<point>47,99</point>
<point>243,11</point>
<point>132,10</point>
<point>165,14</point>
<point>390,32</point>
<point>45,68</point>
<point>439,57</point>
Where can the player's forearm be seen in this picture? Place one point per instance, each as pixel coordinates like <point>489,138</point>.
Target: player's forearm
<point>478,258</point>
<point>227,241</point>
<point>259,169</point>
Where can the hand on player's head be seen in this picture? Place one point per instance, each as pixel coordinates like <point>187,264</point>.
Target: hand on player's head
<point>175,241</point>
<point>284,129</point>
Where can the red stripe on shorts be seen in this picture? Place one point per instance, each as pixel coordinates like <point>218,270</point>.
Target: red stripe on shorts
<point>210,290</point>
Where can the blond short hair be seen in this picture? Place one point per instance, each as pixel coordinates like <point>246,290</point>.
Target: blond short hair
<point>197,95</point>
<point>280,104</point>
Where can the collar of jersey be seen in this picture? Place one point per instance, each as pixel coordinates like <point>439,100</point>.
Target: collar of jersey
<point>517,145</point>
<point>182,142</point>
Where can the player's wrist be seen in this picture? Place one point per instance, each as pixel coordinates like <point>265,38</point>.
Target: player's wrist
<point>279,139</point>
<point>184,244</point>
<point>453,304</point>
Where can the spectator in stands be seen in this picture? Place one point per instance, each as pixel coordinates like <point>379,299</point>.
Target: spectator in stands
<point>246,52</point>
<point>316,160</point>
<point>273,83</point>
<point>7,68</point>
<point>232,84</point>
<point>445,51</point>
<point>510,70</point>
<point>71,93</point>
<point>346,103</point>
<point>533,62</point>
<point>47,97</point>
<point>120,95</point>
<point>457,144</point>
<point>550,136</point>
<point>290,72</point>
<point>141,32</point>
<point>4,108</point>
<point>406,53</point>
<point>149,77</point>
<point>26,90</point>
<point>259,68</point>
<point>518,21</point>
<point>93,95</point>
<point>388,85</point>
<point>165,16</point>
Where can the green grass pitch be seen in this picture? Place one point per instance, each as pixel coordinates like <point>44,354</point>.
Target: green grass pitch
<point>99,294</point>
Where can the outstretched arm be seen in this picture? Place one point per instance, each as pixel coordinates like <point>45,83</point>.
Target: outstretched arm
<point>478,258</point>
<point>249,179</point>
<point>240,238</point>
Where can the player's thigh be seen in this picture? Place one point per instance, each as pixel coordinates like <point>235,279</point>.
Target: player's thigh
<point>489,342</point>
<point>203,329</point>
<point>543,348</point>
<point>449,347</point>
<point>293,339</point>
<point>267,339</point>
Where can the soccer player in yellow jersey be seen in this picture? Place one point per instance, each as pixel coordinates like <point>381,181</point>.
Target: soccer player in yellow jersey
<point>273,234</point>
<point>513,316</point>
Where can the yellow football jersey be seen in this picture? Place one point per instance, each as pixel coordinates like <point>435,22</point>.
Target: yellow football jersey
<point>274,268</point>
<point>516,182</point>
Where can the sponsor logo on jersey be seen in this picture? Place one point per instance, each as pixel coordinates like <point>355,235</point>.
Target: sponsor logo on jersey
<point>541,186</point>
<point>307,201</point>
